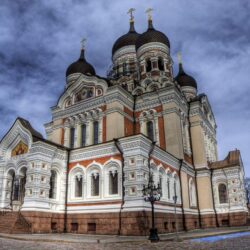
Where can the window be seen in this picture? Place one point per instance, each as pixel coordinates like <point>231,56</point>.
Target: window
<point>83,141</point>
<point>96,130</point>
<point>150,130</point>
<point>148,65</point>
<point>223,193</point>
<point>168,186</point>
<point>72,137</point>
<point>113,182</point>
<point>78,186</point>
<point>95,184</point>
<point>52,190</point>
<point>160,64</point>
<point>192,193</point>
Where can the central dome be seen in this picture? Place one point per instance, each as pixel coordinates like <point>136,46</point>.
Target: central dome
<point>127,39</point>
<point>81,66</point>
<point>150,36</point>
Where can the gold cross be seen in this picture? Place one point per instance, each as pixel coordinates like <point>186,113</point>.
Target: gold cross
<point>130,12</point>
<point>149,12</point>
<point>83,41</point>
<point>179,57</point>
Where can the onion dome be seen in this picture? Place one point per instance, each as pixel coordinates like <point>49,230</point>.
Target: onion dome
<point>151,35</point>
<point>81,66</point>
<point>127,39</point>
<point>185,80</point>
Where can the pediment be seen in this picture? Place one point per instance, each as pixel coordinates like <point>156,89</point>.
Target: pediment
<point>18,139</point>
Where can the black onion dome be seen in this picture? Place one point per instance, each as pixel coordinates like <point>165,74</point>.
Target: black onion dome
<point>81,66</point>
<point>184,80</point>
<point>151,35</point>
<point>127,39</point>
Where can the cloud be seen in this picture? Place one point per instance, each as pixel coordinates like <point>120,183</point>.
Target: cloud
<point>39,39</point>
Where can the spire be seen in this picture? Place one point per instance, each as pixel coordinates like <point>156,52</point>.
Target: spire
<point>150,21</point>
<point>131,20</point>
<point>181,71</point>
<point>83,42</point>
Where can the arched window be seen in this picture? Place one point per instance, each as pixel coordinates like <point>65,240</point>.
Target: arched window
<point>78,186</point>
<point>223,198</point>
<point>192,193</point>
<point>148,65</point>
<point>113,182</point>
<point>53,186</point>
<point>168,188</point>
<point>83,141</point>
<point>95,184</point>
<point>160,64</point>
<point>72,137</point>
<point>150,130</point>
<point>96,130</point>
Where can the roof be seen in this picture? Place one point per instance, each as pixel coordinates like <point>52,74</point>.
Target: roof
<point>233,159</point>
<point>127,39</point>
<point>81,66</point>
<point>35,134</point>
<point>185,80</point>
<point>151,35</point>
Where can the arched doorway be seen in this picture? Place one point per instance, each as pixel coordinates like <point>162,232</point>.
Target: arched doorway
<point>22,181</point>
<point>10,186</point>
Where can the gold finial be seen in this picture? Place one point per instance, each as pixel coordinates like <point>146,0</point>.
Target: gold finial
<point>130,12</point>
<point>149,12</point>
<point>83,42</point>
<point>179,57</point>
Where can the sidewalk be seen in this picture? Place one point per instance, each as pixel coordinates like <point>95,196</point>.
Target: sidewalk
<point>83,238</point>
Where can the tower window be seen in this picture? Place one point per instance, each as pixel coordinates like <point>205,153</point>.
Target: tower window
<point>83,128</point>
<point>148,65</point>
<point>223,193</point>
<point>72,137</point>
<point>160,64</point>
<point>52,190</point>
<point>95,184</point>
<point>150,130</point>
<point>78,186</point>
<point>96,130</point>
<point>113,182</point>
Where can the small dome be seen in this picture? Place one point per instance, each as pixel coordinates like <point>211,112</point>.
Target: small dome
<point>151,35</point>
<point>127,39</point>
<point>81,66</point>
<point>184,80</point>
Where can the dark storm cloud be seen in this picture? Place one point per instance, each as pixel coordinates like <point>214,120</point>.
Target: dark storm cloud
<point>39,39</point>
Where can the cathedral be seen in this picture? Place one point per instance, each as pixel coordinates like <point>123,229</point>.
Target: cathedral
<point>107,136</point>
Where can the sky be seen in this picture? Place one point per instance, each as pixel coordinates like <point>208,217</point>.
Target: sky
<point>39,39</point>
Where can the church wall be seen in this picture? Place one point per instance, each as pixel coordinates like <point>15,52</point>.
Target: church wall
<point>173,135</point>
<point>115,121</point>
<point>185,189</point>
<point>57,133</point>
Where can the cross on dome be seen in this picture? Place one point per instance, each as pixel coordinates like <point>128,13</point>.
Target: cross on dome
<point>149,12</point>
<point>83,42</point>
<point>130,12</point>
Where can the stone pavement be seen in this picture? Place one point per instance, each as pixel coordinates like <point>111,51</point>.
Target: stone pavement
<point>76,241</point>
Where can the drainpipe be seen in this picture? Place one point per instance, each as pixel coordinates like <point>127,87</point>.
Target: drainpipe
<point>66,193</point>
<point>191,146</point>
<point>134,117</point>
<point>183,213</point>
<point>216,215</point>
<point>118,146</point>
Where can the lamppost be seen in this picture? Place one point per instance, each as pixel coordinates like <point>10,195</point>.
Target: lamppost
<point>152,193</point>
<point>175,197</point>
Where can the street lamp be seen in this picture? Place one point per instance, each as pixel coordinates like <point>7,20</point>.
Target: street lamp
<point>152,193</point>
<point>175,197</point>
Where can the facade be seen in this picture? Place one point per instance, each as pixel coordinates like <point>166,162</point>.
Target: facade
<point>105,137</point>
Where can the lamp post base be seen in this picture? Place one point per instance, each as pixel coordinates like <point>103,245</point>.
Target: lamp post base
<point>153,237</point>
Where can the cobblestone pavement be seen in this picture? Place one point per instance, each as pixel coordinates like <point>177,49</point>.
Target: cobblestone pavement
<point>234,244</point>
